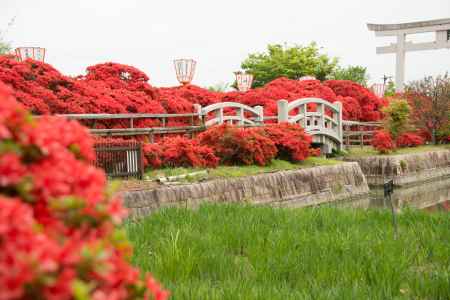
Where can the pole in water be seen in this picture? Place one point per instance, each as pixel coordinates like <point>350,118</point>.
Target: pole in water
<point>388,190</point>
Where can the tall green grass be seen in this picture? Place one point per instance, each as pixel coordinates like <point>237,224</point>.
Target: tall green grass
<point>249,252</point>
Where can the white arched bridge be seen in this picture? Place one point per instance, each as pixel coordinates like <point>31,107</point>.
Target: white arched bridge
<point>319,118</point>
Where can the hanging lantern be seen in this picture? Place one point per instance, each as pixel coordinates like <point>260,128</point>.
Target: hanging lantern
<point>307,77</point>
<point>378,89</point>
<point>244,81</point>
<point>36,53</point>
<point>185,70</point>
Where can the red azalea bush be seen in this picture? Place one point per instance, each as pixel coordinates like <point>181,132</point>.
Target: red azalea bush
<point>235,146</point>
<point>117,88</point>
<point>409,139</point>
<point>382,142</point>
<point>58,236</point>
<point>292,142</point>
<point>179,152</point>
<point>370,104</point>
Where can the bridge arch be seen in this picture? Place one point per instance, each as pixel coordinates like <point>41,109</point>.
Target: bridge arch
<point>240,118</point>
<point>324,122</point>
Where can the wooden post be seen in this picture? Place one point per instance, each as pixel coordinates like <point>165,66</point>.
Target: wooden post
<point>131,123</point>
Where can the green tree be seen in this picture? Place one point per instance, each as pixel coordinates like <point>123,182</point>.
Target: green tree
<point>396,119</point>
<point>4,47</point>
<point>354,73</point>
<point>291,62</point>
<point>219,87</point>
<point>390,89</point>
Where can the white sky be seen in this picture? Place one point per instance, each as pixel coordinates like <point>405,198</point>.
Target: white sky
<point>218,34</point>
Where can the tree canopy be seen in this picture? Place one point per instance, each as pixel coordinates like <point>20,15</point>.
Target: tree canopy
<point>4,46</point>
<point>356,74</point>
<point>291,62</point>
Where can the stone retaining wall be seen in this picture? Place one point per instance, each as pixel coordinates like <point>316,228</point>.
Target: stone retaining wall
<point>405,169</point>
<point>294,188</point>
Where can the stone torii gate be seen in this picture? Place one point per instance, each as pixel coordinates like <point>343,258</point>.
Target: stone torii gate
<point>441,27</point>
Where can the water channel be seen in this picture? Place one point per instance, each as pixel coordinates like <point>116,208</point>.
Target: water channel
<point>430,196</point>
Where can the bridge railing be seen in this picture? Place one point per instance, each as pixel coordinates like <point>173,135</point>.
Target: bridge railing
<point>317,116</point>
<point>359,133</point>
<point>243,115</point>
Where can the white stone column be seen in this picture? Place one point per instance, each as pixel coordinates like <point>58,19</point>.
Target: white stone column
<point>400,63</point>
<point>283,113</point>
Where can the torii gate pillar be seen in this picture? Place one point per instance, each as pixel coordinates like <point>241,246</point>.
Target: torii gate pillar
<point>440,27</point>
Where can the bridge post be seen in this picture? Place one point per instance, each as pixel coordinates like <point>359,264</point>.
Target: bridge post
<point>339,124</point>
<point>260,110</point>
<point>198,111</point>
<point>283,113</point>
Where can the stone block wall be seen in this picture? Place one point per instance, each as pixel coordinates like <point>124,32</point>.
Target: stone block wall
<point>405,169</point>
<point>295,188</point>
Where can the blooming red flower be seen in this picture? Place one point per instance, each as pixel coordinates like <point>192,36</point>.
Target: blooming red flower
<point>409,139</point>
<point>57,224</point>
<point>382,141</point>
<point>290,139</point>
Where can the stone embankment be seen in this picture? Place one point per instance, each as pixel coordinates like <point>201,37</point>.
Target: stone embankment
<point>405,169</point>
<point>295,188</point>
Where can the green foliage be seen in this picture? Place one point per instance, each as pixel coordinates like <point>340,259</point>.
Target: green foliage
<point>390,89</point>
<point>356,74</point>
<point>240,171</point>
<point>291,62</point>
<point>219,87</point>
<point>4,47</point>
<point>261,252</point>
<point>357,152</point>
<point>397,117</point>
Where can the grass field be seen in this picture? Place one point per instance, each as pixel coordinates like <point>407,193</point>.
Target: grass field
<point>249,252</point>
<point>370,151</point>
<point>239,171</point>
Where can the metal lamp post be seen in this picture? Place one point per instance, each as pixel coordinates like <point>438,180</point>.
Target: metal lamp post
<point>36,53</point>
<point>185,70</point>
<point>244,81</point>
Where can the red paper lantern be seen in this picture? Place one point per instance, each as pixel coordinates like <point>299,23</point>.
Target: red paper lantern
<point>185,70</point>
<point>244,81</point>
<point>36,53</point>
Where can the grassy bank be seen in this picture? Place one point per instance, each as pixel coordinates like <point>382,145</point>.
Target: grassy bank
<point>370,151</point>
<point>239,171</point>
<point>248,252</point>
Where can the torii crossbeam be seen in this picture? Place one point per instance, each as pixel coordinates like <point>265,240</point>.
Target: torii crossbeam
<point>441,27</point>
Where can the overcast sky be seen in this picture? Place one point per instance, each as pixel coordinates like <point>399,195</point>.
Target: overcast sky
<point>218,34</point>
